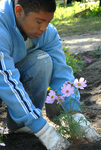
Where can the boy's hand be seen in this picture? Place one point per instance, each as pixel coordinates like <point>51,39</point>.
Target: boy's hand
<point>52,139</point>
<point>90,134</point>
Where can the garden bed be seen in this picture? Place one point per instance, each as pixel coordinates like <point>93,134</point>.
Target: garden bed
<point>90,96</point>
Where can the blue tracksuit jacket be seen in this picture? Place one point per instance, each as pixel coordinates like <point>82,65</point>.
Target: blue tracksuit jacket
<point>12,50</point>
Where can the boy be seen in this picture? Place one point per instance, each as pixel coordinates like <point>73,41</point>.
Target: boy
<point>31,59</point>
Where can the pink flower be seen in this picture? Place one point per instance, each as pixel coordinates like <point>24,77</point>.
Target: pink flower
<point>80,83</point>
<point>4,130</point>
<point>49,100</point>
<point>67,90</point>
<point>2,144</point>
<point>60,99</point>
<point>88,59</point>
<point>1,130</point>
<point>51,97</point>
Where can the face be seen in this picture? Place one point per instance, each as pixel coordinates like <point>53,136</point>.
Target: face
<point>34,24</point>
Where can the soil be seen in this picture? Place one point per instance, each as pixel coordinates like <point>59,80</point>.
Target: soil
<point>90,96</point>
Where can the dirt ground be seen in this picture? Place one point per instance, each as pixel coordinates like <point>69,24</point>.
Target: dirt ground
<point>90,96</point>
<point>82,42</point>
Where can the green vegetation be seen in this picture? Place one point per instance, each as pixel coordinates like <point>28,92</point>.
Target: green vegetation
<point>69,128</point>
<point>75,61</point>
<point>97,51</point>
<point>67,24</point>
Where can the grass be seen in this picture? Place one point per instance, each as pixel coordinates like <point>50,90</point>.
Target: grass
<point>67,24</point>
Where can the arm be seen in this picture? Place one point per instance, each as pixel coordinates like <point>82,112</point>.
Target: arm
<point>61,71</point>
<point>12,91</point>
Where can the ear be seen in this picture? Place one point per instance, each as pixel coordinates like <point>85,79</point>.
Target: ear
<point>19,11</point>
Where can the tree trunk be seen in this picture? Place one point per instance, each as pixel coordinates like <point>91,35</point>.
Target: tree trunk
<point>100,3</point>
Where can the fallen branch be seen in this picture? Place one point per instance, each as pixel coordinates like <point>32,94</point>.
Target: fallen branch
<point>82,13</point>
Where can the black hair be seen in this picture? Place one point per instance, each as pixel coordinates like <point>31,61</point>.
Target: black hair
<point>37,5</point>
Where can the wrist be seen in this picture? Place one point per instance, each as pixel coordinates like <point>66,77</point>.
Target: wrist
<point>37,124</point>
<point>75,112</point>
<point>39,133</point>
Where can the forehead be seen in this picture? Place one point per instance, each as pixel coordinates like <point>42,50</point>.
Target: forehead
<point>42,15</point>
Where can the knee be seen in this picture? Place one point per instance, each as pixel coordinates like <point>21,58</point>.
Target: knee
<point>36,65</point>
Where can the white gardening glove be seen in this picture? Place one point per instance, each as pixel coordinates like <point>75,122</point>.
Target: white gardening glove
<point>90,134</point>
<point>52,139</point>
